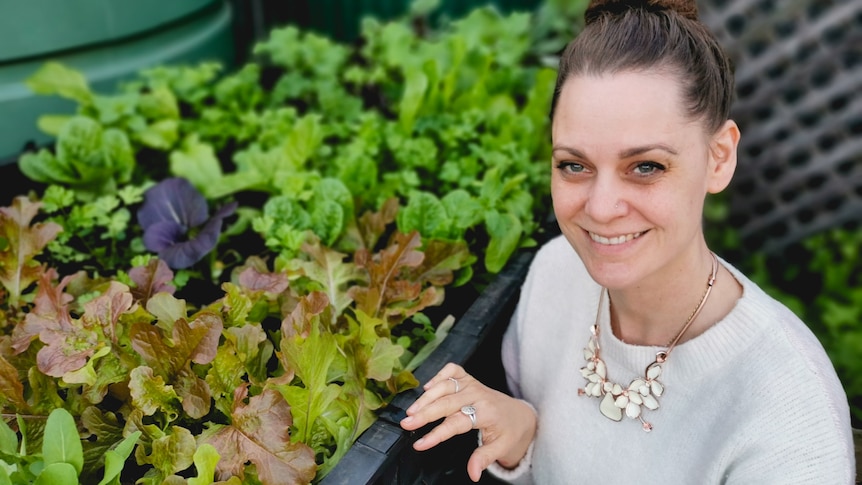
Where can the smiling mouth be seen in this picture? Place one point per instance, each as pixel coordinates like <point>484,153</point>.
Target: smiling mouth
<point>613,241</point>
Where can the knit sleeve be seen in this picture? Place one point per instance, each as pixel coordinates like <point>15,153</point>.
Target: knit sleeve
<point>509,356</point>
<point>800,453</point>
<point>806,436</point>
<point>510,352</point>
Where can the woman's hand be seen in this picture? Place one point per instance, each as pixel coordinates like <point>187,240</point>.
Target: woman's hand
<point>507,424</point>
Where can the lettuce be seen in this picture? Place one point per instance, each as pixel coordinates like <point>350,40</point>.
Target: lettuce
<point>90,159</point>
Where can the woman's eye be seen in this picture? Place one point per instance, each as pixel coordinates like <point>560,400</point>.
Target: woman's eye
<point>648,168</point>
<point>570,167</point>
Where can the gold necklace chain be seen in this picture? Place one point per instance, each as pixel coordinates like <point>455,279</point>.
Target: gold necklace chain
<point>643,391</point>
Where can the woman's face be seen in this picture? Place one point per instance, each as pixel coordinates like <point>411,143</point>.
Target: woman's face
<point>630,173</point>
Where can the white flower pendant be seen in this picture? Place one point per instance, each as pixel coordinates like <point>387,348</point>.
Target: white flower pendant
<point>616,399</point>
<point>641,392</point>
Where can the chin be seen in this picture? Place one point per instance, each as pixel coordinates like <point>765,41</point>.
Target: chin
<point>610,274</point>
<point>612,278</point>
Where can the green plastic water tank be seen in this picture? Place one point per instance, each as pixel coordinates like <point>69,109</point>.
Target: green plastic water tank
<point>107,40</point>
<point>341,19</point>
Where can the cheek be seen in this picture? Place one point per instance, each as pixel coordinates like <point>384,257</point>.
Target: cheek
<point>680,209</point>
<point>563,196</point>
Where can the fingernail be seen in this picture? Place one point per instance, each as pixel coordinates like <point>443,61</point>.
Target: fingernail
<point>407,420</point>
<point>419,442</point>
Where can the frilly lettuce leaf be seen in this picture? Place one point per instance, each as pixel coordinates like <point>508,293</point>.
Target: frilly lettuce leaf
<point>442,259</point>
<point>309,351</point>
<point>150,393</point>
<point>372,225</point>
<point>11,387</point>
<point>21,241</point>
<point>390,293</point>
<point>329,269</point>
<point>244,353</point>
<point>255,277</point>
<point>236,305</point>
<point>151,279</point>
<point>68,342</point>
<point>224,375</point>
<point>259,433</point>
<point>105,310</point>
<point>170,355</point>
<point>167,309</point>
<point>170,453</point>
<point>383,356</point>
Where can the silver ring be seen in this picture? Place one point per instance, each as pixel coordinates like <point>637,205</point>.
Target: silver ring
<point>471,412</point>
<point>457,386</point>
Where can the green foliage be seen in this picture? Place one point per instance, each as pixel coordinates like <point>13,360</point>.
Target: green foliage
<point>96,232</point>
<point>61,459</point>
<point>836,312</point>
<point>459,109</point>
<point>335,355</point>
<point>20,241</point>
<point>142,118</point>
<point>819,280</point>
<point>89,159</point>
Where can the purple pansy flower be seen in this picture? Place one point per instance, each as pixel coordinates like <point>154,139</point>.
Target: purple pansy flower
<point>176,222</point>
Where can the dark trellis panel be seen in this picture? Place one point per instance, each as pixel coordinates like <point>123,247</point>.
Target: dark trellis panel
<point>799,106</point>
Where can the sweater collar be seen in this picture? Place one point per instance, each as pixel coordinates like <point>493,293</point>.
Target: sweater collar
<point>725,341</point>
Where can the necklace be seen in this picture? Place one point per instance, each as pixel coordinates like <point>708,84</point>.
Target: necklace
<point>642,391</point>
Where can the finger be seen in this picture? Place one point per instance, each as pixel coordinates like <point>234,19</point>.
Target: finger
<point>438,391</point>
<point>482,458</point>
<point>449,370</point>
<point>433,395</point>
<point>434,405</point>
<point>453,425</point>
<point>475,469</point>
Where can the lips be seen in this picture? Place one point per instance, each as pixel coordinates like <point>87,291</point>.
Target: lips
<point>615,240</point>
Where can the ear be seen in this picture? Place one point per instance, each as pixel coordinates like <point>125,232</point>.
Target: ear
<point>722,157</point>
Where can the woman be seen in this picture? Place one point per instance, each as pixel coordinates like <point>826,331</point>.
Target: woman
<point>640,356</point>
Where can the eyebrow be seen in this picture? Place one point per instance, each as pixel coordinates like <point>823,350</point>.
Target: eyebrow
<point>627,153</point>
<point>634,151</point>
<point>571,151</point>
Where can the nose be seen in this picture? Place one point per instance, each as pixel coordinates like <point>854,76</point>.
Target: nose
<point>605,200</point>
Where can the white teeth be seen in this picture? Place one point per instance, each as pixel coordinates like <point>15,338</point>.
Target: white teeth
<point>612,241</point>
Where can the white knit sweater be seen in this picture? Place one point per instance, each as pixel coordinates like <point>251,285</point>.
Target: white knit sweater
<point>753,400</point>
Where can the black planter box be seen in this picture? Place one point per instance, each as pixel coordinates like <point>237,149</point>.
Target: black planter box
<point>383,454</point>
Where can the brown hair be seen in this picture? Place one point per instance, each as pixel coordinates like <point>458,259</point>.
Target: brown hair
<point>622,35</point>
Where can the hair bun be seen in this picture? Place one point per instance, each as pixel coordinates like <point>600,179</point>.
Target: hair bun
<point>597,8</point>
